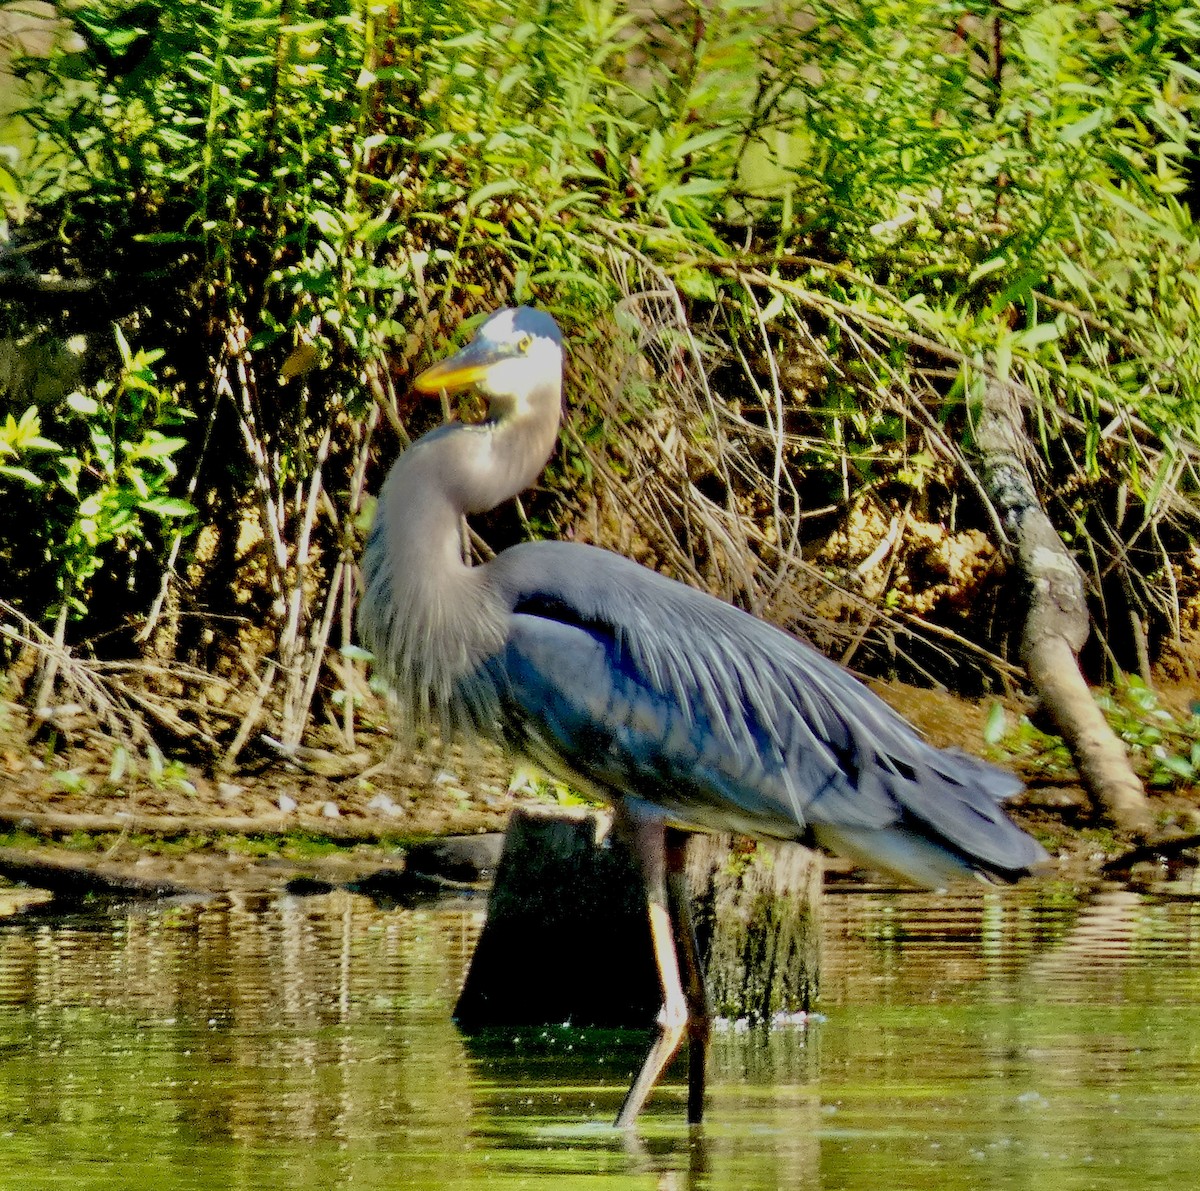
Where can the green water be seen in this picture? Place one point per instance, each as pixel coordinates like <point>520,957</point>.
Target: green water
<point>1000,1041</point>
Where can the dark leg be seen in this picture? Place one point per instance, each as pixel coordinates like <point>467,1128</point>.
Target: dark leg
<point>699,1022</point>
<point>647,838</point>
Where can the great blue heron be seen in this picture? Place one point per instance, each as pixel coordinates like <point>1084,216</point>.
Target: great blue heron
<point>679,709</point>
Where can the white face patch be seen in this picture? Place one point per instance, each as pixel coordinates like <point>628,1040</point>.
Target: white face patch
<point>519,377</point>
<point>499,328</point>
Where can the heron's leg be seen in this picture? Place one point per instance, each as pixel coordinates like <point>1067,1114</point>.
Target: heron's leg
<point>699,1019</point>
<point>647,838</point>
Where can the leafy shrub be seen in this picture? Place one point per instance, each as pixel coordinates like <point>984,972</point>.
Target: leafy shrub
<point>817,225</point>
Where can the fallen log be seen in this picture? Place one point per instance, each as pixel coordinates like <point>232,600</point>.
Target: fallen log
<point>343,829</point>
<point>76,879</point>
<point>1057,621</point>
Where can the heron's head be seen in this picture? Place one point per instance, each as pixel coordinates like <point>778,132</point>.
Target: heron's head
<point>515,354</point>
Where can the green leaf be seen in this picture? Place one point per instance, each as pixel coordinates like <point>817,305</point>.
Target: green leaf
<point>123,346</point>
<point>157,446</point>
<point>697,283</point>
<point>492,190</point>
<point>1178,766</point>
<point>167,506</point>
<point>1036,335</point>
<point>996,725</point>
<point>23,474</point>
<point>437,142</point>
<point>1161,229</point>
<point>987,267</point>
<point>1080,128</point>
<point>701,140</point>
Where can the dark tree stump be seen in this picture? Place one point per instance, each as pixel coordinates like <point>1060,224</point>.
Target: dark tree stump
<point>567,937</point>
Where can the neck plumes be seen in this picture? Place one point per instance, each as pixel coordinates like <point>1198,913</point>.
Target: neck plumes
<point>430,618</point>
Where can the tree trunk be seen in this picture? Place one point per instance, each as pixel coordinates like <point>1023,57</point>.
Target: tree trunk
<point>756,908</point>
<point>1057,621</point>
<point>567,935</point>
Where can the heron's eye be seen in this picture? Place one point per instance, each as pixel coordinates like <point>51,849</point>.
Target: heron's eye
<point>524,343</point>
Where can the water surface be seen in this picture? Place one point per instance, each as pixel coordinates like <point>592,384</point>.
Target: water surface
<point>1036,1038</point>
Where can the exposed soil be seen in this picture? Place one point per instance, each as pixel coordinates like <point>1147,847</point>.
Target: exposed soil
<point>70,821</point>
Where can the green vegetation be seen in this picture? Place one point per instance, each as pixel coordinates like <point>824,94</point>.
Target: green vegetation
<point>1164,745</point>
<point>818,227</point>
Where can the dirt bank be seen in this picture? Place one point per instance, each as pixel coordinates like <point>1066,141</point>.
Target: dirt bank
<point>73,819</point>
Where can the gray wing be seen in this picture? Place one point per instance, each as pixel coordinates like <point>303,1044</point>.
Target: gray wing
<point>634,684</point>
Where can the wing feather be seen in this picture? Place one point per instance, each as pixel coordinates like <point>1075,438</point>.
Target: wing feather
<point>638,684</point>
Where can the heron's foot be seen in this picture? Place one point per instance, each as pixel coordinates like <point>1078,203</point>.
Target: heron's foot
<point>670,1035</point>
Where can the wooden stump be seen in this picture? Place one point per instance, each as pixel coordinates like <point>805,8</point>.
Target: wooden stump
<point>567,937</point>
<point>756,906</point>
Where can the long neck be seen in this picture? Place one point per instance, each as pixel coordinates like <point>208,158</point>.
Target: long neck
<point>460,469</point>
<point>505,455</point>
<point>429,617</point>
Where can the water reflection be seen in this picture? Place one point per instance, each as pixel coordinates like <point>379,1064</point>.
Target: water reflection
<point>982,1040</point>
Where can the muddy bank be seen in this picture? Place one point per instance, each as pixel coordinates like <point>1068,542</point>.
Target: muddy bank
<point>321,819</point>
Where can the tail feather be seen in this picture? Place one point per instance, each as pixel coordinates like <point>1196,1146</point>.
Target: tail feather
<point>916,858</point>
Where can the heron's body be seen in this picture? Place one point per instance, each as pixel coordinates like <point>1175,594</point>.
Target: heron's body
<point>637,688</point>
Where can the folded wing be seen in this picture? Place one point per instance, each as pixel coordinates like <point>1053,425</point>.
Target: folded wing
<point>632,684</point>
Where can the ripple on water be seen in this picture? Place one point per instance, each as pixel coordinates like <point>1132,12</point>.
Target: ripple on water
<point>1034,1034</point>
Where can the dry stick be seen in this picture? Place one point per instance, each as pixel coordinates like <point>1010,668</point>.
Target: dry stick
<point>253,712</point>
<point>156,608</point>
<point>271,519</point>
<point>1001,665</point>
<point>52,657</point>
<point>1057,622</point>
<point>1169,571</point>
<point>949,450</point>
<point>358,482</point>
<point>727,525</point>
<point>289,585</point>
<point>271,516</point>
<point>775,421</point>
<point>317,652</point>
<point>894,532</point>
<point>348,666</point>
<point>162,712</point>
<point>667,292</point>
<point>631,499</point>
<point>842,315</point>
<point>343,578</point>
<point>1150,461</point>
<point>86,687</point>
<point>699,378</point>
<point>291,640</point>
<point>1149,457</point>
<point>934,432</point>
<point>384,393</point>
